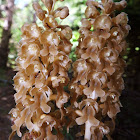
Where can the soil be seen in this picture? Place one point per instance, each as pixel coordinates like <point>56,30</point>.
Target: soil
<point>6,104</point>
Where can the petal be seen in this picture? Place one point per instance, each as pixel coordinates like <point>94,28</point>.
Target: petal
<point>43,103</point>
<point>103,22</point>
<point>81,120</point>
<point>39,80</point>
<point>44,52</point>
<point>93,120</point>
<point>85,56</point>
<point>91,12</point>
<point>30,69</point>
<point>99,92</point>
<point>87,91</point>
<point>28,121</point>
<point>53,50</point>
<point>62,12</point>
<point>45,108</point>
<point>94,56</point>
<point>109,69</point>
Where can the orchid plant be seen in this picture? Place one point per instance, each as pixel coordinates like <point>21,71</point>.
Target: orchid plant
<point>91,100</point>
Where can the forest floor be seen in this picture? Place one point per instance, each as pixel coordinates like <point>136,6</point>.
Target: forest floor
<point>127,122</point>
<point>6,102</point>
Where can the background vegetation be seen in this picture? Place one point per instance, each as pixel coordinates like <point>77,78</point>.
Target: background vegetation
<point>128,121</point>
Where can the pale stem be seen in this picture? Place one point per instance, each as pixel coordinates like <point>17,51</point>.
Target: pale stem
<point>87,130</point>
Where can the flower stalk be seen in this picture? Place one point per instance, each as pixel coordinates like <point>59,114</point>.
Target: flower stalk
<point>42,64</point>
<point>99,67</point>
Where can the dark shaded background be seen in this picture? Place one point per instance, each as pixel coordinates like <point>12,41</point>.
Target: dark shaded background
<point>128,121</point>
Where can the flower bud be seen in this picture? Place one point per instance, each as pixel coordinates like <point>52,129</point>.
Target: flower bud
<point>48,4</point>
<point>61,12</point>
<point>50,22</point>
<point>103,22</point>
<point>91,12</point>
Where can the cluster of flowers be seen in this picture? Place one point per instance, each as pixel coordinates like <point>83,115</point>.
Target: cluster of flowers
<point>43,64</point>
<point>99,67</point>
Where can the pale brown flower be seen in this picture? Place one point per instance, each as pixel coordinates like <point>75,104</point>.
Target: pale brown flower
<point>97,73</point>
